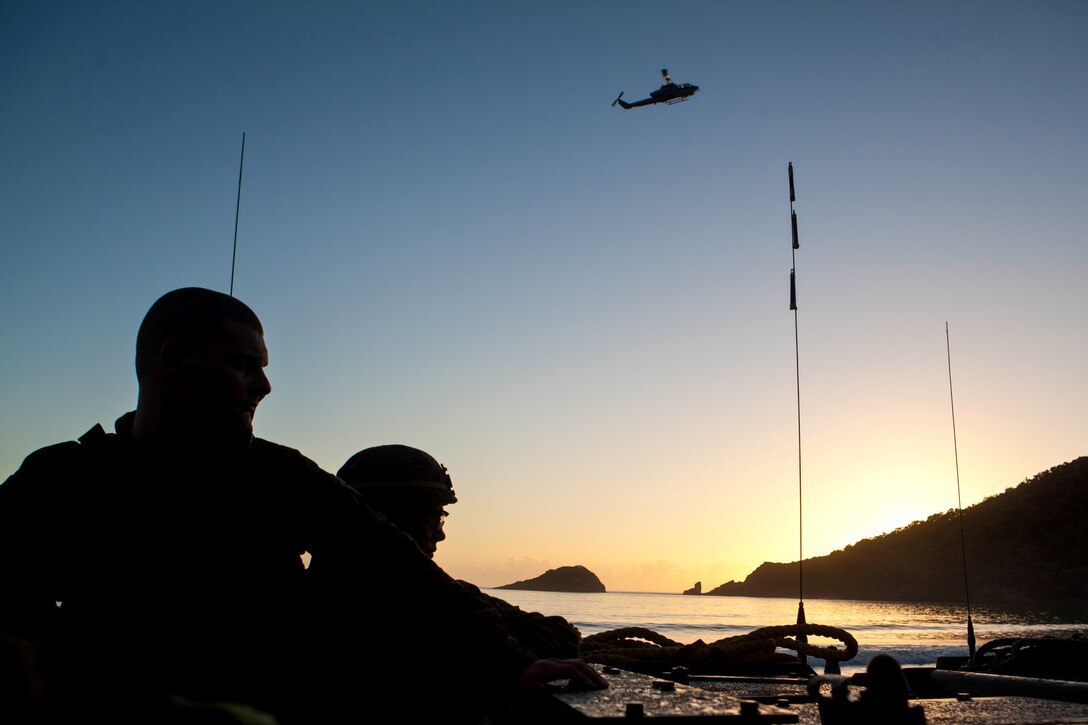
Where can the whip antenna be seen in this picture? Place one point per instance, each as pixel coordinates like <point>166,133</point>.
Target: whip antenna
<point>237,208</point>
<point>959,503</point>
<point>797,362</point>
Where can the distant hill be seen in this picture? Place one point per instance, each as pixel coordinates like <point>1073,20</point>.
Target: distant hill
<point>563,579</point>
<point>1027,546</point>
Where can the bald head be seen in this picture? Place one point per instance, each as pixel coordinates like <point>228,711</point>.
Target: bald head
<point>190,316</point>
<point>200,359</point>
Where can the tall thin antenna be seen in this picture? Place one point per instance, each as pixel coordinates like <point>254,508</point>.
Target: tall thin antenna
<point>237,208</point>
<point>959,502</point>
<point>797,362</point>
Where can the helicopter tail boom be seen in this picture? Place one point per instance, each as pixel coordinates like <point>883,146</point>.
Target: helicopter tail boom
<point>623,104</point>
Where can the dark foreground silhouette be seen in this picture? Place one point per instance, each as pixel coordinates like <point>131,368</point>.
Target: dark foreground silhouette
<point>412,489</point>
<point>148,573</point>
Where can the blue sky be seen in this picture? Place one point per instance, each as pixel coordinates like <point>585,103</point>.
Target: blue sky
<point>455,242</point>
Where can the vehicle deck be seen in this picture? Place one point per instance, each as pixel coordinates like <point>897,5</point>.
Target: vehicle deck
<point>774,699</point>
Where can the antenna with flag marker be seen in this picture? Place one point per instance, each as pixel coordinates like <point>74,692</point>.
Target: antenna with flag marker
<point>803,638</point>
<point>959,504</point>
<point>237,208</point>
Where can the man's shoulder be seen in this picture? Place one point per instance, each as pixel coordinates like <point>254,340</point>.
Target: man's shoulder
<point>53,461</point>
<point>276,451</point>
<point>51,455</point>
<point>287,460</point>
<point>65,450</point>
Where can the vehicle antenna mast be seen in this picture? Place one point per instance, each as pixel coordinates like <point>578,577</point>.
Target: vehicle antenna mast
<point>237,208</point>
<point>959,503</point>
<point>797,362</point>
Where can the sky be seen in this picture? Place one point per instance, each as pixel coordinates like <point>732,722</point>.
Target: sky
<point>454,241</point>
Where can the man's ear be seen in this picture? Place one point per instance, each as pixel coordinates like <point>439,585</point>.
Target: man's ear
<point>172,355</point>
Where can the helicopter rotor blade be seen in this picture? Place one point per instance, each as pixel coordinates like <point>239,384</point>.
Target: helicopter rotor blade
<point>665,75</point>
<point>617,99</point>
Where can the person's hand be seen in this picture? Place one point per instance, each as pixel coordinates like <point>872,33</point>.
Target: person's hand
<point>541,672</point>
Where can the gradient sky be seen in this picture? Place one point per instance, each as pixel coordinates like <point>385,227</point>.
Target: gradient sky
<point>455,242</point>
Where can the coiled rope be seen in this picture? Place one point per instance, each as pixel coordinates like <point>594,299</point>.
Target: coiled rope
<point>641,650</point>
<point>1062,657</point>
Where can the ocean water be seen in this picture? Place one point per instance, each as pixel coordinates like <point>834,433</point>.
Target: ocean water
<point>914,633</point>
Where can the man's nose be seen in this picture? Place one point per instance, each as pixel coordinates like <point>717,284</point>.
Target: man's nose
<point>263,386</point>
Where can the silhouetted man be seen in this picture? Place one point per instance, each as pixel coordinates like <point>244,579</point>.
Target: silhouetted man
<point>163,560</point>
<point>410,488</point>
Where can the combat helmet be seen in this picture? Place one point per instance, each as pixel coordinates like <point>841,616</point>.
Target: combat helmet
<point>401,471</point>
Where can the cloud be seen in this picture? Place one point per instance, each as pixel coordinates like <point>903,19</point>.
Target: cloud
<point>496,575</point>
<point>654,576</point>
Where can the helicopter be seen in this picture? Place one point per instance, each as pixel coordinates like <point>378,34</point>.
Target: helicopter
<point>669,94</point>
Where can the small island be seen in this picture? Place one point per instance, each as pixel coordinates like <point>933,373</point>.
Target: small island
<point>564,579</point>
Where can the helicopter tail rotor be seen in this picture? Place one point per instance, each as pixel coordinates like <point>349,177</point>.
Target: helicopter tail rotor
<point>617,99</point>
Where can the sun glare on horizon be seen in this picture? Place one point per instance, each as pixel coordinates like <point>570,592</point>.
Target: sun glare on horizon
<point>897,497</point>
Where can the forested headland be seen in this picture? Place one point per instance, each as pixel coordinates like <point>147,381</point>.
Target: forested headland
<point>1025,547</point>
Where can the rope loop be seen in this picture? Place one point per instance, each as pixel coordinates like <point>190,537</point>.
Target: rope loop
<point>641,649</point>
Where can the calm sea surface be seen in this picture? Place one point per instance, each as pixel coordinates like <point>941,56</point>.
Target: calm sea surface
<point>915,634</point>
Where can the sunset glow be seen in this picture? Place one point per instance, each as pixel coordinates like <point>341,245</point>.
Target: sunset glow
<point>581,311</point>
